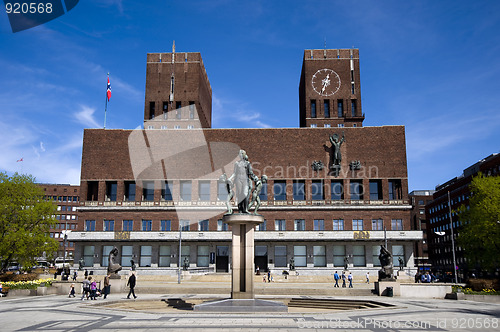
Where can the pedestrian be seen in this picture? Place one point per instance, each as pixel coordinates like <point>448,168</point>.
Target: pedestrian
<point>85,288</point>
<point>367,277</point>
<point>93,288</point>
<point>72,290</point>
<point>131,284</point>
<point>86,273</point>
<point>75,274</point>
<point>107,286</point>
<point>269,276</point>
<point>258,271</point>
<point>349,277</point>
<point>343,279</point>
<point>426,278</point>
<point>336,278</point>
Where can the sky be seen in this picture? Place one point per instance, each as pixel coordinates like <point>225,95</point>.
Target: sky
<point>432,66</point>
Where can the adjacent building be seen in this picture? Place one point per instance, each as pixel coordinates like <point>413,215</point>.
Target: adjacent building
<point>419,198</point>
<point>335,190</point>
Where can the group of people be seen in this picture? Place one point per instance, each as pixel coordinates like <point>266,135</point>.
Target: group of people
<point>344,277</point>
<point>91,291</point>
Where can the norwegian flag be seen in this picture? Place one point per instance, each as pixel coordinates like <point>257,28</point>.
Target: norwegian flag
<point>108,91</point>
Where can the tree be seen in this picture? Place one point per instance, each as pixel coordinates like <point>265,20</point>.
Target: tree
<point>25,220</point>
<point>480,235</point>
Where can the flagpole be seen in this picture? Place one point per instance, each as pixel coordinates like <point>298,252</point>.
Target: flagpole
<point>106,107</point>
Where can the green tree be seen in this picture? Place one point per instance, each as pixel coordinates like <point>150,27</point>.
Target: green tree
<point>480,235</point>
<point>25,220</point>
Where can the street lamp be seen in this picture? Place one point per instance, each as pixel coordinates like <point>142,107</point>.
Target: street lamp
<point>65,238</point>
<point>179,254</point>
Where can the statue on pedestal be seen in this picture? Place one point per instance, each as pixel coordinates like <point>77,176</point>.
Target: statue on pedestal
<point>242,179</point>
<point>230,193</point>
<point>113,266</point>
<point>256,193</point>
<point>385,258</point>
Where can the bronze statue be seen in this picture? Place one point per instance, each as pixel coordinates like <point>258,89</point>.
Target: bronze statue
<point>337,156</point>
<point>242,177</point>
<point>81,264</point>
<point>256,193</point>
<point>113,266</point>
<point>385,258</point>
<point>230,193</point>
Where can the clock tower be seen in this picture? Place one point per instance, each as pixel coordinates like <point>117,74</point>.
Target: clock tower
<point>330,90</point>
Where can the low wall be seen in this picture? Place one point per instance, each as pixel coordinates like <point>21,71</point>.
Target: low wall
<point>427,291</point>
<point>482,298</point>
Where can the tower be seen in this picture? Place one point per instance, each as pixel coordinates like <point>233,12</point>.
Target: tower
<point>330,89</point>
<point>178,93</point>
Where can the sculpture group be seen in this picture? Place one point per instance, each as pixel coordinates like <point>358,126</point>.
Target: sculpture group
<point>241,180</point>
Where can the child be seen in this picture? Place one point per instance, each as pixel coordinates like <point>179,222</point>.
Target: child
<point>72,290</point>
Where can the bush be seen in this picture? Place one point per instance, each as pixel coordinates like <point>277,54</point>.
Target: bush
<point>478,285</point>
<point>9,276</point>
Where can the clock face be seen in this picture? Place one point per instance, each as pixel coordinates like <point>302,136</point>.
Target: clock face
<point>326,82</point>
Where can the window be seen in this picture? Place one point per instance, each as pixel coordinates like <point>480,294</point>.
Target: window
<point>398,251</point>
<point>357,224</point>
<point>340,108</point>
<point>184,224</point>
<point>163,127</point>
<point>421,211</point>
<point>203,225</point>
<point>186,190</point>
<point>395,189</point>
<point>298,190</point>
<point>300,255</point>
<point>222,226</point>
<point>375,190</point>
<point>178,105</point>
<point>280,225</point>
<point>338,224</point>
<point>109,225</point>
<point>145,259</point>
<point>326,106</point>
<point>202,258</point>
<point>319,256</point>
<point>377,225</point>
<point>375,253</point>
<point>313,108</point>
<point>313,125</point>
<point>177,127</point>
<point>166,191</point>
<point>299,225</point>
<point>327,125</point>
<point>128,225</point>
<point>358,255</point>
<point>337,190</point>
<point>356,187</point>
<point>90,225</point>
<point>353,90</point>
<point>317,190</point>
<point>88,255</point>
<point>204,190</point>
<point>92,191</point>
<point>151,110</point>
<point>129,191</point>
<point>338,255</point>
<point>221,191</point>
<point>190,127</point>
<point>164,256</point>
<point>353,106</point>
<point>397,224</point>
<point>262,226</point>
<point>165,109</point>
<point>263,192</point>
<point>126,256</point>
<point>191,111</point>
<point>421,202</point>
<point>165,225</point>
<point>279,190</point>
<point>147,225</point>
<point>319,225</point>
<point>280,256</point>
<point>340,125</point>
<point>148,190</point>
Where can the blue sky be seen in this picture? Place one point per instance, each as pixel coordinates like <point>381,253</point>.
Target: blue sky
<point>432,66</point>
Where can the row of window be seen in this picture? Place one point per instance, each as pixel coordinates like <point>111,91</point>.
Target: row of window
<point>64,226</point>
<point>281,256</point>
<point>356,190</point>
<point>163,127</point>
<point>66,208</point>
<point>188,114</point>
<point>66,217</point>
<point>327,125</point>
<point>327,109</point>
<point>279,225</point>
<point>62,198</point>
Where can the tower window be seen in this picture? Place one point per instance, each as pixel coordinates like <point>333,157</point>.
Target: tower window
<point>313,108</point>
<point>151,110</point>
<point>327,108</point>
<point>165,109</point>
<point>340,108</point>
<point>191,109</point>
<point>353,107</point>
<point>353,91</point>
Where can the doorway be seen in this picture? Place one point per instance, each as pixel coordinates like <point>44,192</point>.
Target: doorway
<point>260,258</point>
<point>222,259</point>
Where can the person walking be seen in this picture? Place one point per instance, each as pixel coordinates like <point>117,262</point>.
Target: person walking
<point>72,290</point>
<point>85,288</point>
<point>336,278</point>
<point>131,284</point>
<point>107,286</point>
<point>367,277</point>
<point>93,288</point>
<point>343,279</point>
<point>349,277</point>
<point>75,274</point>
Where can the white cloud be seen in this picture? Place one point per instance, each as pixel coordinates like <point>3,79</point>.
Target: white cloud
<point>86,117</point>
<point>233,114</point>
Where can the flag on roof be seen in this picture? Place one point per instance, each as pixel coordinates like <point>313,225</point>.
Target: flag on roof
<point>108,92</point>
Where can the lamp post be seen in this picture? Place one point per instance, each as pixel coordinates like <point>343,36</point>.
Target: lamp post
<point>452,240</point>
<point>179,255</point>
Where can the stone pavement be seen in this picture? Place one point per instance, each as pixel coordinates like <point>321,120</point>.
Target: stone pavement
<point>60,313</point>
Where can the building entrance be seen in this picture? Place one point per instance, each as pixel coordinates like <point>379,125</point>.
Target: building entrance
<point>261,258</point>
<point>222,259</point>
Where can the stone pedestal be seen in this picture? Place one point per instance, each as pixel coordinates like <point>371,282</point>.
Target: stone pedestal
<point>382,285</point>
<point>242,285</point>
